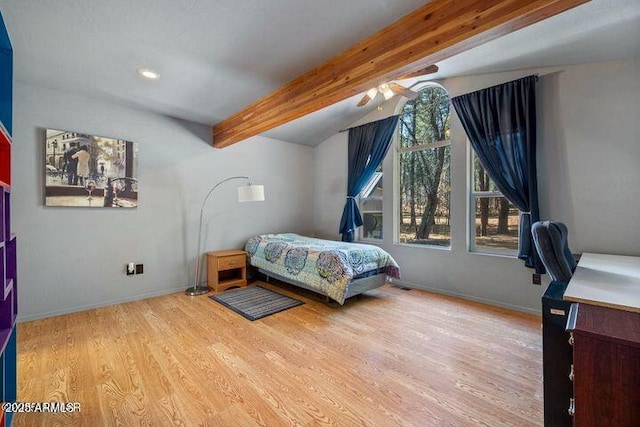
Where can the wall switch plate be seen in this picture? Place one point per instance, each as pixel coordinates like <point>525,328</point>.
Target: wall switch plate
<point>139,269</point>
<point>130,268</point>
<point>536,279</point>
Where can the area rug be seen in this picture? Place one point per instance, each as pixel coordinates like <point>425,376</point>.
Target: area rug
<point>255,302</point>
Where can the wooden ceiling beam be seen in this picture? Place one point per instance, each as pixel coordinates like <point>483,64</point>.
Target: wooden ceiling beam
<point>436,31</point>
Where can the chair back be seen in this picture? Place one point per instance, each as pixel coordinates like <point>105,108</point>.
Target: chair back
<point>550,238</point>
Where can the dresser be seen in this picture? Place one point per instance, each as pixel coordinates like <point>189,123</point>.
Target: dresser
<point>604,331</point>
<point>606,366</point>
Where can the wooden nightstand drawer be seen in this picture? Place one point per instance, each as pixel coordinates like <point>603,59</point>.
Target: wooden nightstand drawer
<point>229,262</point>
<point>226,269</point>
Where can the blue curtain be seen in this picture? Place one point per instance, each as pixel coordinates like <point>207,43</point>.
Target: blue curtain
<point>500,122</point>
<point>368,145</point>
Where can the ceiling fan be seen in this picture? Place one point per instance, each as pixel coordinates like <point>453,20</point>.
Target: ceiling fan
<point>387,90</point>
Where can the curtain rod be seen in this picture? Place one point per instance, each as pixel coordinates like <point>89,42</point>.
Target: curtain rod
<point>353,127</point>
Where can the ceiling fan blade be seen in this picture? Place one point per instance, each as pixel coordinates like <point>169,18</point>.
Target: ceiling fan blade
<point>364,101</point>
<point>401,90</point>
<point>421,72</point>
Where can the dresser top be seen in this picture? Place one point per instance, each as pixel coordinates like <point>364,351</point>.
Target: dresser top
<point>606,280</point>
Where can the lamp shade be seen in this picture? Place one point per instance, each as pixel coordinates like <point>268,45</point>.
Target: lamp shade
<point>251,193</point>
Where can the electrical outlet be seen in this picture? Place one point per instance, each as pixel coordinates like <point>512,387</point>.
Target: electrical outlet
<point>130,269</point>
<point>536,279</point>
<point>139,269</point>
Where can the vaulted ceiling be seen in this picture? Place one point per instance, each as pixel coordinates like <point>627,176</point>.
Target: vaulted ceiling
<point>215,58</point>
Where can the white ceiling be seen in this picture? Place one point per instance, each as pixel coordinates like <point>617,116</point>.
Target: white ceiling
<point>216,57</point>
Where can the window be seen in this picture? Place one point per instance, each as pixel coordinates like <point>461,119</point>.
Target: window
<point>371,207</point>
<point>423,165</point>
<point>493,219</point>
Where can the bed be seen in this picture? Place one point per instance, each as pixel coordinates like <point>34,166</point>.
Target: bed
<point>338,270</point>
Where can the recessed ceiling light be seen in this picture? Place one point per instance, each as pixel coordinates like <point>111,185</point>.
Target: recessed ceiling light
<point>148,73</point>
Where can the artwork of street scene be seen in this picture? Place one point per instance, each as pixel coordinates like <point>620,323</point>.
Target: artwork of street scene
<point>90,171</point>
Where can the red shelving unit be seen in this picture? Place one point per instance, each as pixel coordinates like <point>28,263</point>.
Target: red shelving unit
<point>5,157</point>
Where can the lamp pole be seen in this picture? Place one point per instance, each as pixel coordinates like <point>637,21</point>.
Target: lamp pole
<point>196,289</point>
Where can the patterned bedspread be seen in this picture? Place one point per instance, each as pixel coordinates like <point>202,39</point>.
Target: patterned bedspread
<point>324,265</point>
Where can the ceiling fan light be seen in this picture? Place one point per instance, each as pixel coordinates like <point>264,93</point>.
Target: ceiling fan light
<point>383,87</point>
<point>371,93</point>
<point>388,94</point>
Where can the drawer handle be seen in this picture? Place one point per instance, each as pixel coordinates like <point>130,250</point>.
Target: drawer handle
<point>572,407</point>
<point>571,376</point>
<point>571,338</point>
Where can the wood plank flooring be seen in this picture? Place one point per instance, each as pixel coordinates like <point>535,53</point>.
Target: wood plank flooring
<point>386,358</point>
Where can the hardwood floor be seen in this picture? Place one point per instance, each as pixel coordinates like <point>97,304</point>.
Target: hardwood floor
<point>386,358</point>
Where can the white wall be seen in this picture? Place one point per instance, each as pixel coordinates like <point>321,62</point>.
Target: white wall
<point>588,172</point>
<point>71,259</point>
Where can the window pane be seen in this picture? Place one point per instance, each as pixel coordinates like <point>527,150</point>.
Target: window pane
<point>496,223</point>
<point>373,187</point>
<point>425,119</point>
<point>425,189</point>
<point>481,180</point>
<point>372,227</point>
<point>371,208</point>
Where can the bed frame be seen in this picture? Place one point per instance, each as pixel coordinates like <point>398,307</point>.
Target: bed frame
<point>354,287</point>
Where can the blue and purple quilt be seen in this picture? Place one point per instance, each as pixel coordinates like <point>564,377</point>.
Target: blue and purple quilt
<point>324,265</point>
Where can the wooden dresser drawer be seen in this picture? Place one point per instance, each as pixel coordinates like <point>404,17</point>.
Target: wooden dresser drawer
<point>229,262</point>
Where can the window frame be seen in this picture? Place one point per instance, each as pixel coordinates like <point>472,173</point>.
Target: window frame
<point>398,150</point>
<point>472,198</point>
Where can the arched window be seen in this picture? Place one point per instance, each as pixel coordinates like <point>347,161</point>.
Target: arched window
<point>424,169</point>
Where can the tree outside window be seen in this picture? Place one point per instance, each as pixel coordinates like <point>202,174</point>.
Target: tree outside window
<point>424,153</point>
<point>494,220</point>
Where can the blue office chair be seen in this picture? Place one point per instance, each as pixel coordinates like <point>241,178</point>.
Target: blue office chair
<point>550,238</point>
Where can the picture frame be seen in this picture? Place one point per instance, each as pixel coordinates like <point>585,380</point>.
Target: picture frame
<point>89,171</point>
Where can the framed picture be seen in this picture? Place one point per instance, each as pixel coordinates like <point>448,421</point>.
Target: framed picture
<point>89,171</point>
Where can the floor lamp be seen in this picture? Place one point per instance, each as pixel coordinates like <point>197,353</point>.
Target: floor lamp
<point>246,193</point>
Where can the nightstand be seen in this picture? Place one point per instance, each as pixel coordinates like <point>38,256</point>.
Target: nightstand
<point>226,269</point>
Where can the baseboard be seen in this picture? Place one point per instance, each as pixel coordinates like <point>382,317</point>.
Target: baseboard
<point>528,310</point>
<point>101,304</point>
